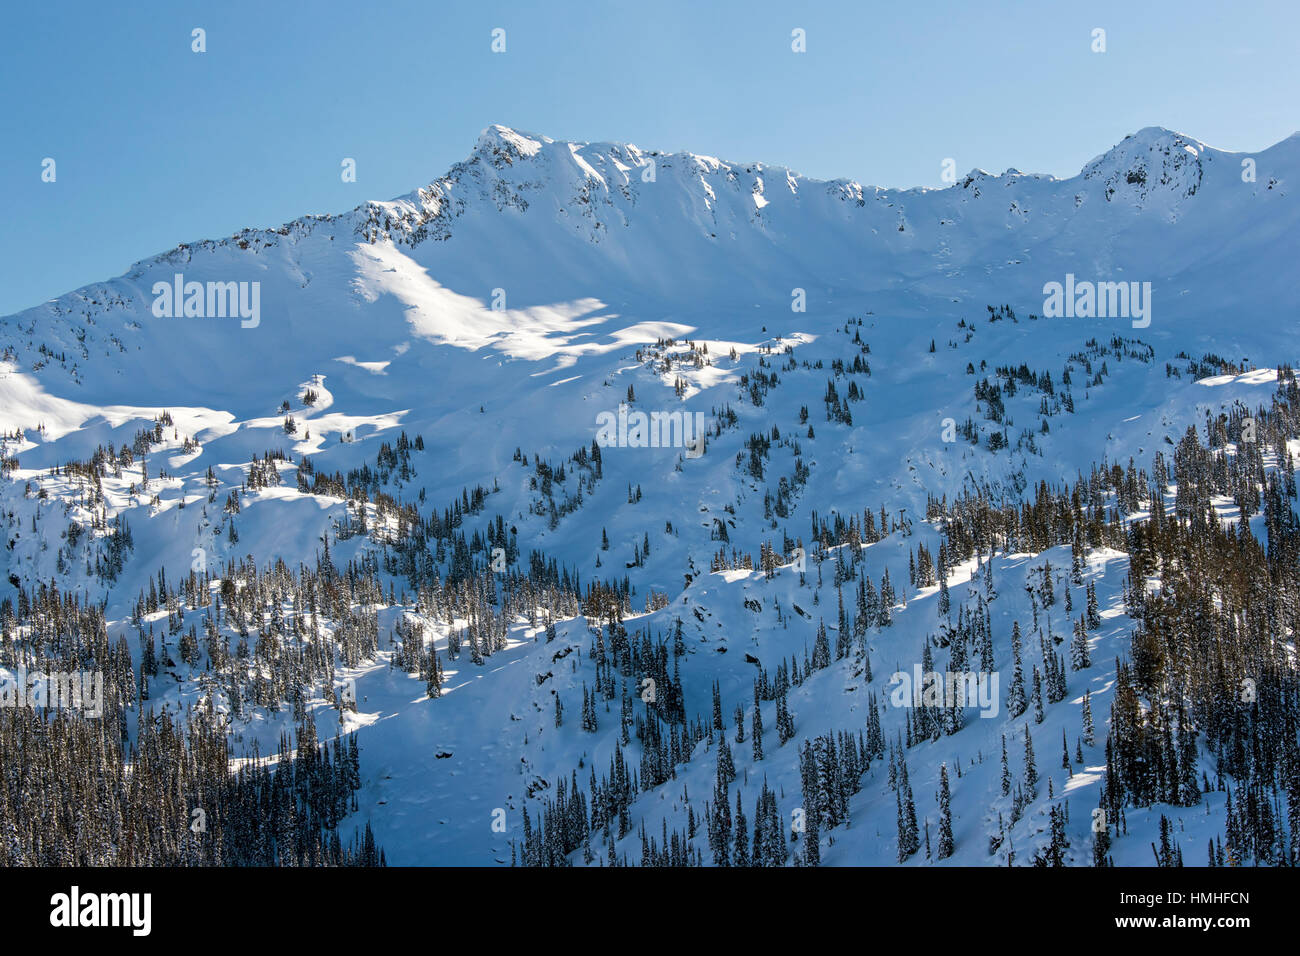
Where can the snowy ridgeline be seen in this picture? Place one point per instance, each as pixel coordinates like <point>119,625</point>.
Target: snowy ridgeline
<point>596,505</point>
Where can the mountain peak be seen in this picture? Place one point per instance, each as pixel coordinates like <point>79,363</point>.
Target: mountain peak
<point>501,142</point>
<point>1153,135</point>
<point>1152,161</point>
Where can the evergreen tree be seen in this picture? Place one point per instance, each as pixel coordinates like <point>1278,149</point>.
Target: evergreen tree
<point>1031,768</point>
<point>1016,701</point>
<point>908,835</point>
<point>1079,655</point>
<point>945,815</point>
<point>741,857</point>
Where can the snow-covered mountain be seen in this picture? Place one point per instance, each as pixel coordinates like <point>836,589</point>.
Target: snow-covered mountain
<point>419,367</point>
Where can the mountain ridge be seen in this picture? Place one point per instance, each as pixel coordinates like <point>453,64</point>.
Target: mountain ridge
<point>498,144</point>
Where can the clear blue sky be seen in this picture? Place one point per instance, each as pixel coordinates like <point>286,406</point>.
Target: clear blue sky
<point>156,145</point>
